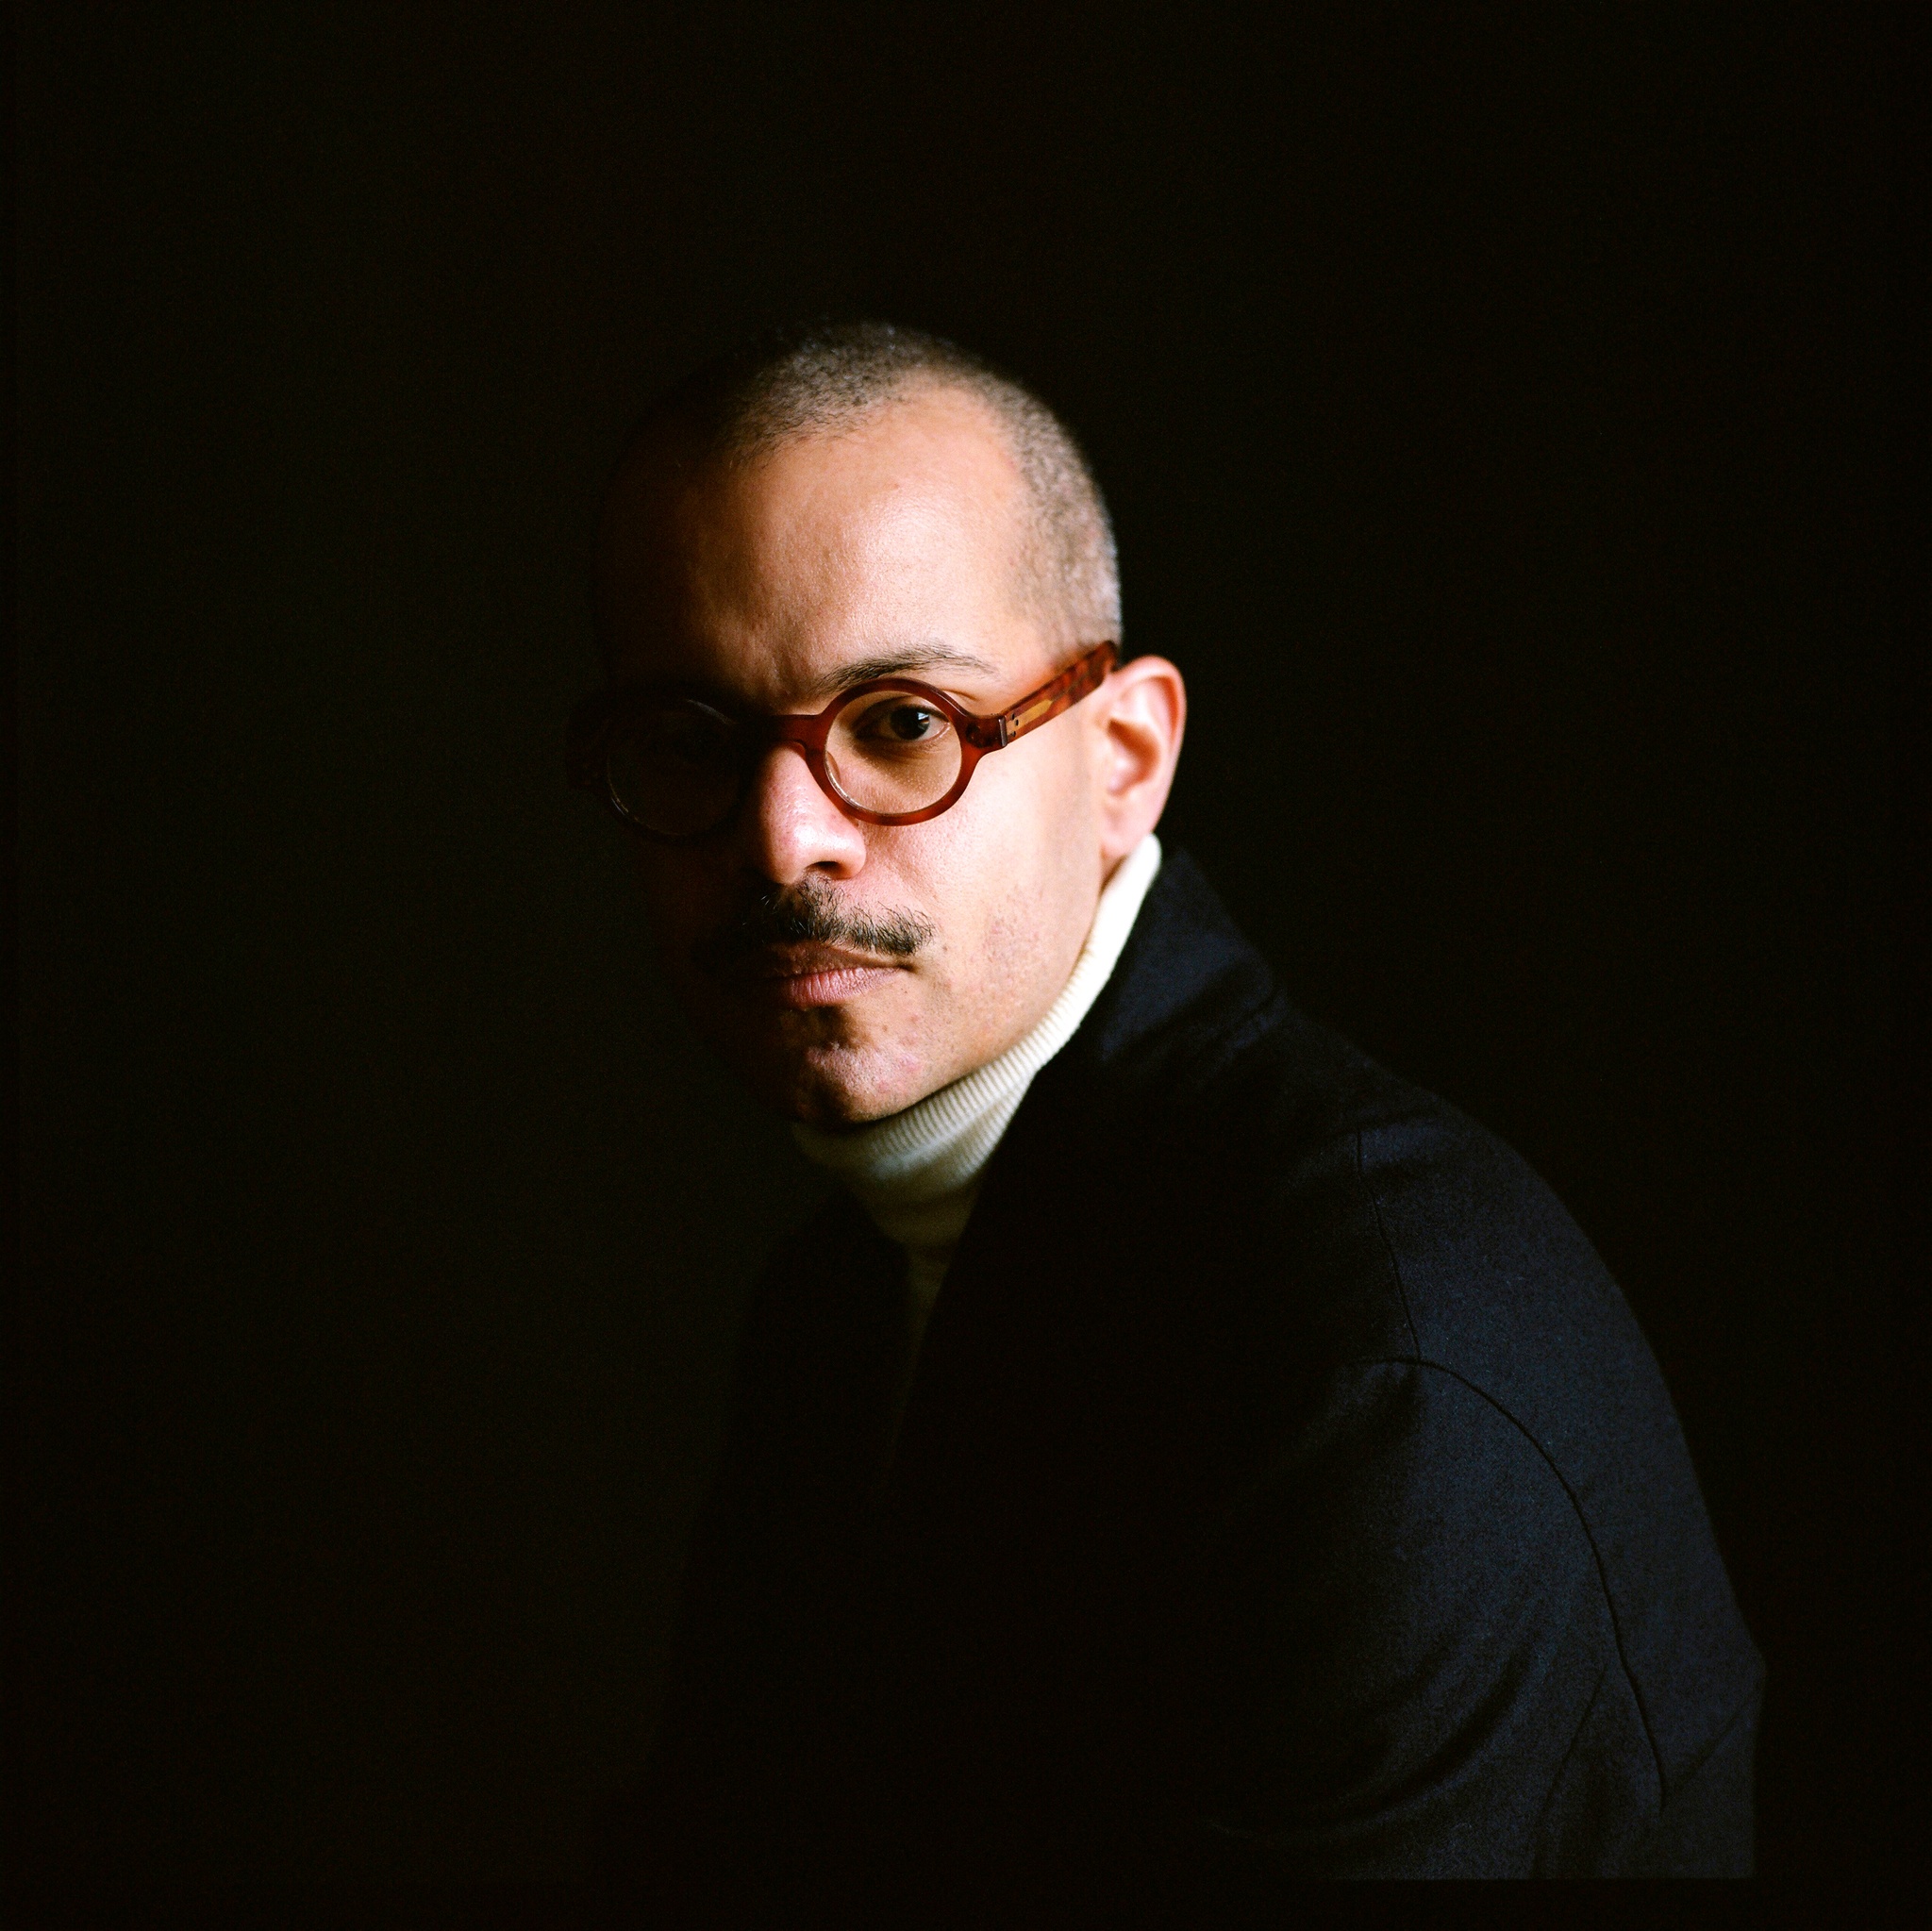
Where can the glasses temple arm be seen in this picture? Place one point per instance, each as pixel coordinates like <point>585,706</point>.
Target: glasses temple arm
<point>1040,707</point>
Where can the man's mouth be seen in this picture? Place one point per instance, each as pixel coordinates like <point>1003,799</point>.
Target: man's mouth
<point>796,978</point>
<point>801,949</point>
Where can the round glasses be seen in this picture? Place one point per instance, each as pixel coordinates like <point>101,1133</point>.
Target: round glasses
<point>892,751</point>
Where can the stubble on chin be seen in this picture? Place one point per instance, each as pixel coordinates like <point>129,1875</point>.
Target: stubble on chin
<point>833,1066</point>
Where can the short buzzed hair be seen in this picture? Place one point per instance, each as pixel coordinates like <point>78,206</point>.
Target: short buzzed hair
<point>829,376</point>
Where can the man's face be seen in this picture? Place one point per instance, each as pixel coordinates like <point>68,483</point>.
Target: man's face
<point>889,548</point>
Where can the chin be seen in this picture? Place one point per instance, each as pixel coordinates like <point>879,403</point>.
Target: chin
<point>837,1087</point>
<point>826,1068</point>
<point>830,1085</point>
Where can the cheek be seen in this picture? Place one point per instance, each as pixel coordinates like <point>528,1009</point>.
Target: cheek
<point>1008,865</point>
<point>1042,806</point>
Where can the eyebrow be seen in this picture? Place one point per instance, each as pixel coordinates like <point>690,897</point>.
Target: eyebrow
<point>898,663</point>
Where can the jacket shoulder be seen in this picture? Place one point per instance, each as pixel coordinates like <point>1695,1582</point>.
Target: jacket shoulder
<point>1383,1227</point>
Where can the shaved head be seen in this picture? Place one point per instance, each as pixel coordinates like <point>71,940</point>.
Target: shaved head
<point>833,379</point>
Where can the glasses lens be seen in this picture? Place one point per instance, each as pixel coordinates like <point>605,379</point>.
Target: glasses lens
<point>893,751</point>
<point>675,769</point>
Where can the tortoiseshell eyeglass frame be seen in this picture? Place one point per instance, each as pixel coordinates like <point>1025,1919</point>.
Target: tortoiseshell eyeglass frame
<point>594,719</point>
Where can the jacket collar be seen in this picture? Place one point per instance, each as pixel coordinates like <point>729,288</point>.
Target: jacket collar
<point>1186,992</point>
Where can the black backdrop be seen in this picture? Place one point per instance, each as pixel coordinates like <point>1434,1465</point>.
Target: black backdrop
<point>1494,414</point>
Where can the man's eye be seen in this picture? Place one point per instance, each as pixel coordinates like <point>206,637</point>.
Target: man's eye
<point>904,723</point>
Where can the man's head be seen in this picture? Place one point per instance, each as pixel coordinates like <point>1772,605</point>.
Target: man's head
<point>849,504</point>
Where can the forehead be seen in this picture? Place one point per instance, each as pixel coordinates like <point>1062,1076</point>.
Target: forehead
<point>896,536</point>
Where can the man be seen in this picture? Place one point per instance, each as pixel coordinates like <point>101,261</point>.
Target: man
<point>1183,1457</point>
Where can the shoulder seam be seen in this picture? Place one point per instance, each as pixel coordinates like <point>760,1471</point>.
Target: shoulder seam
<point>1419,1360</point>
<point>1562,1768</point>
<point>1723,1729</point>
<point>1361,1174</point>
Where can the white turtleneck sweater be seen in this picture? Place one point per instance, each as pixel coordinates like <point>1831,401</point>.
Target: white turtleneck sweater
<point>917,1173</point>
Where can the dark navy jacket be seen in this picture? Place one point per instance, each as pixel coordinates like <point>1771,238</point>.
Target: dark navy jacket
<point>1286,1491</point>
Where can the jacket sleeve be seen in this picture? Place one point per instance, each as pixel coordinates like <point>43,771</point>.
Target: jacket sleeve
<point>1406,1654</point>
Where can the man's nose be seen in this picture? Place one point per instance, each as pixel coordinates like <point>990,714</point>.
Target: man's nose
<point>791,827</point>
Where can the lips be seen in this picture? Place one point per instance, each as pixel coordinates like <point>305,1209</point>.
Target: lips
<point>799,977</point>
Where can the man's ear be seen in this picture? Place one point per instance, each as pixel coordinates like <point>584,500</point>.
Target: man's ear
<point>1141,710</point>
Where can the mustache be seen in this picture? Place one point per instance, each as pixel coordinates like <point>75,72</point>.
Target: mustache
<point>809,914</point>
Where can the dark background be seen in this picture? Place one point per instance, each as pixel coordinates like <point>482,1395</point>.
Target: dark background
<point>1495,414</point>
